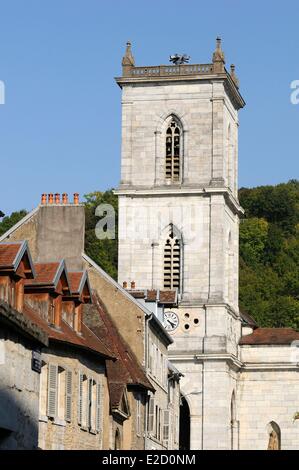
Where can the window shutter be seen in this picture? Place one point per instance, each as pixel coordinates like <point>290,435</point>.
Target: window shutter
<point>98,408</point>
<point>166,428</point>
<point>88,403</point>
<point>68,395</point>
<point>80,398</point>
<point>151,414</point>
<point>52,390</point>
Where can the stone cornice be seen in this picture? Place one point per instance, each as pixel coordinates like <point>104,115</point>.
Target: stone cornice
<point>208,76</point>
<point>183,191</point>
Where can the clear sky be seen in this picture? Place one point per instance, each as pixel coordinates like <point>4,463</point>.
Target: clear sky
<point>60,125</point>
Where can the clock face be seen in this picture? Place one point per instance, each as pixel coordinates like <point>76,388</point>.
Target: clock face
<point>171,321</point>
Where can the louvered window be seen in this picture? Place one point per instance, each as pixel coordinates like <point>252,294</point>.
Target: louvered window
<point>151,415</point>
<point>166,428</point>
<point>80,398</point>
<point>173,146</point>
<point>68,395</point>
<point>172,262</point>
<point>52,390</point>
<point>98,408</point>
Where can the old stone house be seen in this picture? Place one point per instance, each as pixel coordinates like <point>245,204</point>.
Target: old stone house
<point>62,400</point>
<point>138,408</point>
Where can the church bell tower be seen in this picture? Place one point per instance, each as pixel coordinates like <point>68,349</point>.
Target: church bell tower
<point>179,222</point>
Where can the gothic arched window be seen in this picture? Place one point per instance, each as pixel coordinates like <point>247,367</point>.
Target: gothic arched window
<point>172,261</point>
<point>173,151</point>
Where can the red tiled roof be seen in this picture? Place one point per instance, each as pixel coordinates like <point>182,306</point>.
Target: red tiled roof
<point>75,279</point>
<point>8,253</point>
<point>126,370</point>
<point>268,336</point>
<point>87,340</point>
<point>45,274</point>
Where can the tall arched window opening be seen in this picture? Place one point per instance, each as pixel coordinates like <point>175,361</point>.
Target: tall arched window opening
<point>274,442</point>
<point>173,151</point>
<point>172,261</point>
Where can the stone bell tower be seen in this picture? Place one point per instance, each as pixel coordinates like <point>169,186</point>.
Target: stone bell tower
<point>179,222</point>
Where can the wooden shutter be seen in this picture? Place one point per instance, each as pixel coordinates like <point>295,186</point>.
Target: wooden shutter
<point>68,395</point>
<point>98,408</point>
<point>80,398</point>
<point>151,414</point>
<point>166,428</point>
<point>88,403</point>
<point>52,390</point>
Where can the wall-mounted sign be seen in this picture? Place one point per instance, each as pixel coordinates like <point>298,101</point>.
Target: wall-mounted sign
<point>36,361</point>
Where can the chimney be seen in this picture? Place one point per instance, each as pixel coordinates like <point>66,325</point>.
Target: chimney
<point>125,284</point>
<point>76,198</point>
<point>60,230</point>
<point>44,198</point>
<point>133,285</point>
<point>64,198</point>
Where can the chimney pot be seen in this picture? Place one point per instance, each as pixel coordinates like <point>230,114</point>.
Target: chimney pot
<point>133,284</point>
<point>76,198</point>
<point>64,198</point>
<point>44,198</point>
<point>50,198</point>
<point>125,284</point>
<point>57,198</point>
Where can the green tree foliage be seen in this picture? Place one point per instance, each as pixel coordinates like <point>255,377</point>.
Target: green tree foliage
<point>269,254</point>
<point>8,221</point>
<point>103,252</point>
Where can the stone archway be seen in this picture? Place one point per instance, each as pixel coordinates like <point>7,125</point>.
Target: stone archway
<point>274,442</point>
<point>184,439</point>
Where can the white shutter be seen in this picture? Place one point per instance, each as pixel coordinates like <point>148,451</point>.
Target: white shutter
<point>68,395</point>
<point>166,428</point>
<point>98,408</point>
<point>52,390</point>
<point>151,414</point>
<point>80,398</point>
<point>138,413</point>
<point>88,403</point>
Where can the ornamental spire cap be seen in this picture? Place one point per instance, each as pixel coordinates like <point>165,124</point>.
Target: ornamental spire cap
<point>128,59</point>
<point>218,55</point>
<point>234,76</point>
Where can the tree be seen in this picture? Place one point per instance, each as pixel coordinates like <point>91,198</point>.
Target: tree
<point>11,220</point>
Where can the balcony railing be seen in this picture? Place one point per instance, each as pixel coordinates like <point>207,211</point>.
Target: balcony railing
<point>169,70</point>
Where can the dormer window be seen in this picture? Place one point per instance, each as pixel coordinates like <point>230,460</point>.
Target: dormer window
<point>173,152</point>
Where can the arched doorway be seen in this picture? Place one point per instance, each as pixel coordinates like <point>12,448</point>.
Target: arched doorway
<point>274,442</point>
<point>117,443</point>
<point>184,425</point>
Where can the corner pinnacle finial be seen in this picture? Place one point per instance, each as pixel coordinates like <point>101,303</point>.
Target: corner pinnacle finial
<point>128,59</point>
<point>234,76</point>
<point>218,57</point>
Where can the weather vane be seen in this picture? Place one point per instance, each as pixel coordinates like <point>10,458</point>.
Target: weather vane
<point>179,59</point>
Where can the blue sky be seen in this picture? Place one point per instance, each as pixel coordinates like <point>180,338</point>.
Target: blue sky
<point>60,125</point>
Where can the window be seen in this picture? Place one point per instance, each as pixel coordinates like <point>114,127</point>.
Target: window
<point>138,414</point>
<point>43,390</point>
<point>89,403</point>
<point>151,415</point>
<point>166,428</point>
<point>172,261</point>
<point>173,150</point>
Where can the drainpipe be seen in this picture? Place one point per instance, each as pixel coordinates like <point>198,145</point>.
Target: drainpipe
<point>147,319</point>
